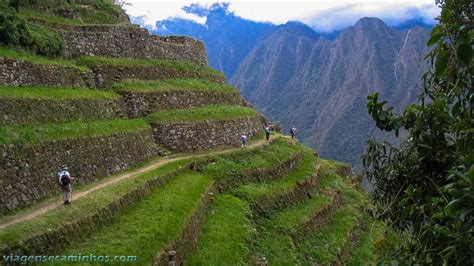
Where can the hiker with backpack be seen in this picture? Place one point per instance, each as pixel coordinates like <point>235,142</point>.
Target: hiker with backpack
<point>243,140</point>
<point>293,132</point>
<point>65,182</point>
<point>267,133</point>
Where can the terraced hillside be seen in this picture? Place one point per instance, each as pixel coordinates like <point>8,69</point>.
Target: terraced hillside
<point>152,134</point>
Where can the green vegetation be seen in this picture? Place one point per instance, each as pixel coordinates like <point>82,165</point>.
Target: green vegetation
<point>173,84</point>
<point>210,112</point>
<point>181,66</point>
<point>35,92</point>
<point>151,223</point>
<point>233,165</point>
<point>81,209</point>
<point>86,12</point>
<point>15,31</point>
<point>363,253</point>
<point>226,234</point>
<point>252,192</point>
<point>430,178</point>
<point>76,129</point>
<point>28,56</point>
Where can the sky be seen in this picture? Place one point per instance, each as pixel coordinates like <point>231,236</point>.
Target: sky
<point>322,15</point>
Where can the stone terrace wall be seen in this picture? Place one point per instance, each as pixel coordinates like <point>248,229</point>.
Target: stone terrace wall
<point>129,41</point>
<point>28,171</point>
<point>204,135</point>
<point>106,75</point>
<point>143,103</point>
<point>15,72</point>
<point>23,110</point>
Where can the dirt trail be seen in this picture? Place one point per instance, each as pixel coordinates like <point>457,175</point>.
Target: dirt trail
<point>76,195</point>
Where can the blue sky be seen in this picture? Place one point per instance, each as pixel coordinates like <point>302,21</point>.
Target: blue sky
<point>322,15</point>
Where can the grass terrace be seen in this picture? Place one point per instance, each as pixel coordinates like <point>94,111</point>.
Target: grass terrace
<point>252,192</point>
<point>210,112</point>
<point>18,54</point>
<point>55,131</point>
<point>90,61</point>
<point>35,92</point>
<point>150,223</point>
<point>225,234</point>
<point>173,84</point>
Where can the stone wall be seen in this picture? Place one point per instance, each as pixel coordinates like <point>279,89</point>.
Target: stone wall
<point>204,135</point>
<point>129,41</point>
<point>25,110</point>
<point>106,75</point>
<point>144,103</point>
<point>28,171</point>
<point>16,72</point>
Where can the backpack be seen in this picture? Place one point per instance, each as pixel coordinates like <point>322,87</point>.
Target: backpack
<point>64,178</point>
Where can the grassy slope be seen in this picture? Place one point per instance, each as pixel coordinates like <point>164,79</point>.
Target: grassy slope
<point>252,192</point>
<point>82,207</point>
<point>36,92</point>
<point>173,84</point>
<point>225,235</point>
<point>151,223</point>
<point>76,129</point>
<point>210,112</point>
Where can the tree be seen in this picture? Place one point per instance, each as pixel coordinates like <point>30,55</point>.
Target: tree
<point>425,187</point>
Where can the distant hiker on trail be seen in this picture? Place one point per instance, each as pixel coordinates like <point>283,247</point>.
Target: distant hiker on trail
<point>267,133</point>
<point>293,132</point>
<point>243,140</point>
<point>64,180</point>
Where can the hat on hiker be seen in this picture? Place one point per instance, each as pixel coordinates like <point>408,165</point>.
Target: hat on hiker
<point>64,167</point>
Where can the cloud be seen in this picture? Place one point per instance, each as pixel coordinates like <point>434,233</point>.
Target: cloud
<point>322,15</point>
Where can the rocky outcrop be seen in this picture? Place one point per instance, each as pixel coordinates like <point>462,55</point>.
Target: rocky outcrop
<point>142,103</point>
<point>27,110</point>
<point>28,171</point>
<point>204,135</point>
<point>17,72</point>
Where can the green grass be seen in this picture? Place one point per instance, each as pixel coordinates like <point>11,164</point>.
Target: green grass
<point>183,66</point>
<point>151,223</point>
<point>262,158</point>
<point>252,192</point>
<point>36,92</point>
<point>76,129</point>
<point>173,84</point>
<point>226,234</point>
<point>210,112</point>
<point>28,56</point>
<point>325,245</point>
<point>93,12</point>
<point>82,207</point>
<point>365,252</point>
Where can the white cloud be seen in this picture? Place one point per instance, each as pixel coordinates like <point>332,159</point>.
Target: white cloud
<point>323,15</point>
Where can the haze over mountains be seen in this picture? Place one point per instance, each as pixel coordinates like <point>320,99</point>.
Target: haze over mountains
<point>316,82</point>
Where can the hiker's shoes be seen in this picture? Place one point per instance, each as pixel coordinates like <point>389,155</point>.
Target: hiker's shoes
<point>67,202</point>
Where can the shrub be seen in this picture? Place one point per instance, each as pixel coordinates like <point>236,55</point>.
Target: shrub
<point>13,28</point>
<point>44,41</point>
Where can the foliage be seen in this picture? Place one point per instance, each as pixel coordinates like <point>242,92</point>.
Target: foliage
<point>425,188</point>
<point>15,31</point>
<point>13,28</point>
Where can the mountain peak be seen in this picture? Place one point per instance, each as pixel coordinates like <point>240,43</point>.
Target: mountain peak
<point>296,27</point>
<point>368,22</point>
